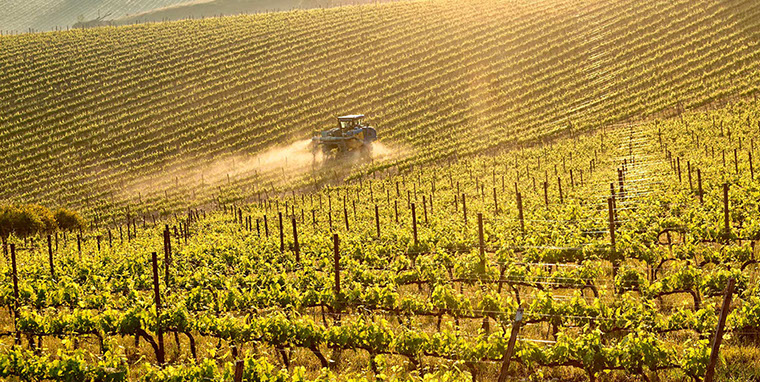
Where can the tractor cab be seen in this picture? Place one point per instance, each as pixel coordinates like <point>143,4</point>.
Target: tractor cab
<point>350,122</point>
<point>350,134</point>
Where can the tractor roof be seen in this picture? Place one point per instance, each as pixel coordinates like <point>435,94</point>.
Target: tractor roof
<point>352,116</point>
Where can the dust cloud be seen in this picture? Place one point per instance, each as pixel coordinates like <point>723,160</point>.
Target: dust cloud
<point>292,158</point>
<point>278,165</point>
<point>382,151</point>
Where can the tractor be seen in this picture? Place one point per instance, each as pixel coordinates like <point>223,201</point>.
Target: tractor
<point>350,135</point>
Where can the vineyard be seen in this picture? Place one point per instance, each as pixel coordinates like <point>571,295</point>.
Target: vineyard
<point>106,119</point>
<point>617,248</point>
<point>569,193</point>
<point>214,8</point>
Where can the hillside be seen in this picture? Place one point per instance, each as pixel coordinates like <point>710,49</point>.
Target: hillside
<point>562,190</point>
<point>44,15</point>
<point>617,248</point>
<point>211,8</point>
<point>86,114</point>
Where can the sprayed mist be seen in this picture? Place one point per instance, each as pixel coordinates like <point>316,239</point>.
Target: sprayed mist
<point>294,158</point>
<point>381,151</point>
<point>291,160</point>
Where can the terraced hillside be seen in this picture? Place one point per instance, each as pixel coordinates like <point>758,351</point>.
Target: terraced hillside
<point>87,114</point>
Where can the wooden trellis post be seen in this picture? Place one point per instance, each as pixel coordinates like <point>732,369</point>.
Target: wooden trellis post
<point>710,373</point>
<point>611,207</point>
<point>14,276</point>
<point>414,225</point>
<point>481,241</point>
<point>520,212</point>
<point>157,297</point>
<point>516,324</point>
<point>377,220</point>
<point>699,186</point>
<point>296,248</point>
<point>336,269</point>
<point>167,253</point>
<point>238,371</point>
<point>282,235</point>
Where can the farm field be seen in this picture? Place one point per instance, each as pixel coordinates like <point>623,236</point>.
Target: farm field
<point>410,287</point>
<point>89,117</point>
<point>561,190</point>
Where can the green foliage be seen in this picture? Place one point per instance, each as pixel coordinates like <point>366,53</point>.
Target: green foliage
<point>69,366</point>
<point>438,299</point>
<point>49,223</point>
<point>501,89</point>
<point>68,220</point>
<point>21,221</point>
<point>8,218</point>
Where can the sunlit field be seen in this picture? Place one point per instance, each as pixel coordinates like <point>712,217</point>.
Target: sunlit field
<point>406,191</point>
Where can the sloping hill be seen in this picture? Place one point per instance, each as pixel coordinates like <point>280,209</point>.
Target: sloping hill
<point>44,15</point>
<point>86,113</point>
<point>210,8</point>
